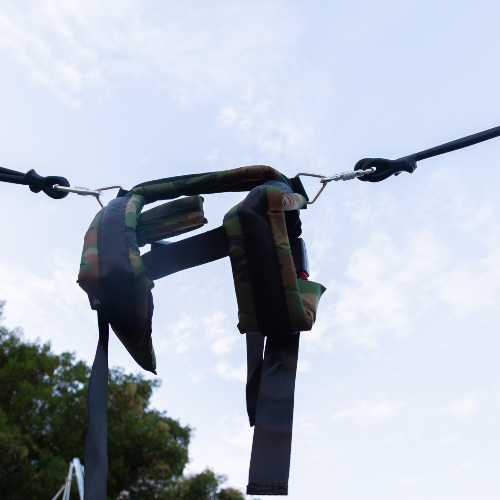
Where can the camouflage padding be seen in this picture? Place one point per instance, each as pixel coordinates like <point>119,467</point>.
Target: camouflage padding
<point>238,179</point>
<point>170,219</point>
<point>293,201</point>
<point>112,270</point>
<point>88,277</point>
<point>143,284</point>
<point>301,297</point>
<point>310,293</point>
<point>247,320</point>
<point>302,318</point>
<point>132,327</point>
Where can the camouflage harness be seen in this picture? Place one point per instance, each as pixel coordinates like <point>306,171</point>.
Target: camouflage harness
<point>269,263</point>
<point>275,299</point>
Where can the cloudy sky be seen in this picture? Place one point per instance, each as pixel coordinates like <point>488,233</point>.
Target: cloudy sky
<point>398,390</point>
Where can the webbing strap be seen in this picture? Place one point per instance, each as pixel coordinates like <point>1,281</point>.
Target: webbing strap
<point>272,439</point>
<point>255,349</point>
<point>186,253</point>
<point>96,442</point>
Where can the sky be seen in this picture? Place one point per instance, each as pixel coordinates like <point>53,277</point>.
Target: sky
<point>398,388</point>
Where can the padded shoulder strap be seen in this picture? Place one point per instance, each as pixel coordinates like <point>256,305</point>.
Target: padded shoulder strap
<point>238,179</point>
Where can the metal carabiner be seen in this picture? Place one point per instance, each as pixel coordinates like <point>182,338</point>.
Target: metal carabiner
<point>83,191</point>
<point>344,176</point>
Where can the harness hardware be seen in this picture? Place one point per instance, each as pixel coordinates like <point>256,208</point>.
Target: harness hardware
<point>344,176</point>
<point>83,191</point>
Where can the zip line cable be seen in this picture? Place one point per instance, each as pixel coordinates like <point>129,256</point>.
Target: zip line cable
<point>367,169</point>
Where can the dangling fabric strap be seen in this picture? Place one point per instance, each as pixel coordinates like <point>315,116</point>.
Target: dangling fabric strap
<point>96,442</point>
<point>255,350</point>
<point>189,252</point>
<point>270,397</point>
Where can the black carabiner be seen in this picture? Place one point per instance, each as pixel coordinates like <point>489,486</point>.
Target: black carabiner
<point>385,168</point>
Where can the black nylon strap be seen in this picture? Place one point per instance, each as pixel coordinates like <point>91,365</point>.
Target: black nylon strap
<point>96,442</point>
<point>189,252</point>
<point>116,275</point>
<point>255,350</point>
<point>264,268</point>
<point>272,439</point>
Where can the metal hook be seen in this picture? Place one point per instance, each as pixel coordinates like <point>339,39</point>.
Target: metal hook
<point>344,176</point>
<point>83,191</point>
<point>322,187</point>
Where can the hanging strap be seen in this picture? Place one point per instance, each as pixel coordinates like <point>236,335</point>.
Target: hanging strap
<point>96,442</point>
<point>273,411</point>
<point>255,350</point>
<point>169,258</point>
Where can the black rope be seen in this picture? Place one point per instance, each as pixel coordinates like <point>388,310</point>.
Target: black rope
<point>36,182</point>
<point>385,168</point>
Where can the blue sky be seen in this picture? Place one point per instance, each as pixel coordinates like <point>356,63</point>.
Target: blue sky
<point>398,389</point>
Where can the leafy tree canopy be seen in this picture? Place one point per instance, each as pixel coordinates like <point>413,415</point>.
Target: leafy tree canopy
<point>43,421</point>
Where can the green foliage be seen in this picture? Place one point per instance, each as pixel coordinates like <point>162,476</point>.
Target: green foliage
<point>43,420</point>
<point>203,486</point>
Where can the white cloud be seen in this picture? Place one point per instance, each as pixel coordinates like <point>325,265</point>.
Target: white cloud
<point>378,297</point>
<point>179,335</point>
<point>193,49</point>
<point>49,304</point>
<point>404,270</point>
<point>228,372</point>
<point>215,326</point>
<point>240,54</point>
<point>411,481</point>
<point>304,426</point>
<point>460,470</point>
<point>236,430</point>
<point>447,440</point>
<point>229,451</point>
<point>472,286</point>
<point>461,408</point>
<point>278,120</point>
<point>28,293</point>
<point>369,411</point>
<point>196,376</point>
<point>303,365</point>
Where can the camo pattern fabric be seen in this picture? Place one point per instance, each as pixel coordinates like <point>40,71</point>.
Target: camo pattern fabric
<point>247,321</point>
<point>302,297</point>
<point>238,179</point>
<point>310,293</point>
<point>302,318</point>
<point>141,278</point>
<point>135,335</point>
<point>141,342</point>
<point>88,278</point>
<point>293,201</point>
<point>170,219</point>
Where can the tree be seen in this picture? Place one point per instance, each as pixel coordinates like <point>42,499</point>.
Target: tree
<point>43,420</point>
